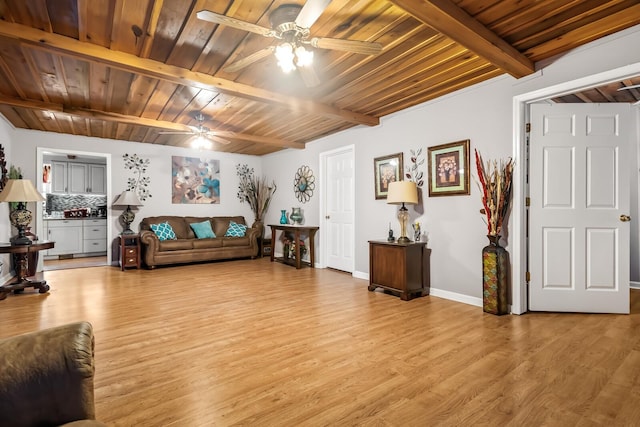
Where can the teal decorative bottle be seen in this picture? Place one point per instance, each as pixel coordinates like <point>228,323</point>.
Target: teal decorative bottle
<point>283,217</point>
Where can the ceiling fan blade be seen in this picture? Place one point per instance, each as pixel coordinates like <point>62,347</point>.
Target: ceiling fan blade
<point>219,139</point>
<point>216,18</point>
<point>248,60</point>
<point>175,133</point>
<point>629,87</point>
<point>310,12</point>
<point>309,76</point>
<point>355,46</point>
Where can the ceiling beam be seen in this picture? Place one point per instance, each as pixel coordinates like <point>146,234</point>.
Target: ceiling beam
<point>139,121</point>
<point>452,21</point>
<point>182,76</point>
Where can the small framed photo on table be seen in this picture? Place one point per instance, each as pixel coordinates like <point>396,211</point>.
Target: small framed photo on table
<point>449,169</point>
<point>386,170</point>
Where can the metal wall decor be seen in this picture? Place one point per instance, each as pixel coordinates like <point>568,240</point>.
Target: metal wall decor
<point>304,183</point>
<point>3,169</point>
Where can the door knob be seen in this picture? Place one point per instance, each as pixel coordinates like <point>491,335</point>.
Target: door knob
<point>625,218</point>
<point>327,217</point>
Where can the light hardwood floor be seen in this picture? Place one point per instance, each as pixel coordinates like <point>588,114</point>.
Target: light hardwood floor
<point>254,343</point>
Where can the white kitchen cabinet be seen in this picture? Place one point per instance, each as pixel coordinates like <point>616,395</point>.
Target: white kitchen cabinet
<point>94,235</point>
<point>67,234</point>
<point>97,179</point>
<point>59,177</point>
<point>78,178</point>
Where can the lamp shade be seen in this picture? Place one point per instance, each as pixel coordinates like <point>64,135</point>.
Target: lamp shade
<point>20,190</point>
<point>127,198</point>
<point>402,192</point>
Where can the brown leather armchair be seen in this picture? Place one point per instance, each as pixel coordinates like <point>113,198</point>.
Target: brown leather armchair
<point>46,378</point>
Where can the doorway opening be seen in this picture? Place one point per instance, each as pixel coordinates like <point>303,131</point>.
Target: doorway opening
<point>76,214</point>
<point>521,105</point>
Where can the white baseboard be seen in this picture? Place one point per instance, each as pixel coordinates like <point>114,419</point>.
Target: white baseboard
<point>5,278</point>
<point>360,275</point>
<point>634,285</point>
<point>453,296</point>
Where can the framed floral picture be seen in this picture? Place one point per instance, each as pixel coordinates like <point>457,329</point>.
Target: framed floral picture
<point>449,169</point>
<point>386,170</point>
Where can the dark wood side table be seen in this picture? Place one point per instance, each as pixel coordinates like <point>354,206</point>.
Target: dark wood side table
<point>22,267</point>
<point>129,251</point>
<point>397,267</point>
<point>296,231</point>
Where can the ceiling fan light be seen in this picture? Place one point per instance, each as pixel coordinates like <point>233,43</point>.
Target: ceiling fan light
<point>201,143</point>
<point>285,56</point>
<point>304,57</point>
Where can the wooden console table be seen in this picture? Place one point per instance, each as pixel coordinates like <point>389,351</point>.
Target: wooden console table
<point>398,267</point>
<point>296,231</point>
<point>22,267</point>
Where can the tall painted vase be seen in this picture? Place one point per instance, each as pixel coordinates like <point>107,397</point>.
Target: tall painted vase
<point>495,277</point>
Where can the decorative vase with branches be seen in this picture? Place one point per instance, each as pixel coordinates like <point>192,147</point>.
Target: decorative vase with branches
<point>256,191</point>
<point>494,181</point>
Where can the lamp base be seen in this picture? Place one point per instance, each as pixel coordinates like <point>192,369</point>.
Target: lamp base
<point>20,240</point>
<point>404,240</point>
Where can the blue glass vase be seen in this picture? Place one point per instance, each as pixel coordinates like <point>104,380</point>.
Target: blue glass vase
<point>283,217</point>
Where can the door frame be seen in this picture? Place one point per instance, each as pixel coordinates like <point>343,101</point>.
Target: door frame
<point>323,246</point>
<point>63,151</point>
<point>519,304</point>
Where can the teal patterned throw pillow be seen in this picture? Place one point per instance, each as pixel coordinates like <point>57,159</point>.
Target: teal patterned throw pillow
<point>236,230</point>
<point>203,230</point>
<point>163,231</point>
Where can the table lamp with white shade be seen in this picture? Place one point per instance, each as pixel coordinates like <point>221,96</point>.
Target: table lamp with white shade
<point>127,198</point>
<point>401,192</point>
<point>20,191</point>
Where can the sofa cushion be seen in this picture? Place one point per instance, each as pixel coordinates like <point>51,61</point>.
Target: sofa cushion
<point>176,245</point>
<point>164,231</point>
<point>207,243</point>
<point>221,223</point>
<point>228,242</point>
<point>236,230</point>
<point>202,230</point>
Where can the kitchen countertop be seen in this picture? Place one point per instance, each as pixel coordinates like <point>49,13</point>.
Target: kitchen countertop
<point>75,218</point>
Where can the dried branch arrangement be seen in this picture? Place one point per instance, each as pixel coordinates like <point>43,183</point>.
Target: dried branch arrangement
<point>494,181</point>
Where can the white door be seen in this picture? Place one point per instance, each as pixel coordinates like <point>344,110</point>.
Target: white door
<point>339,210</point>
<point>579,190</point>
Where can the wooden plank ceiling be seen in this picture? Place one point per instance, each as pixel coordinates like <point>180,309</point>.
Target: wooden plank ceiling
<point>130,69</point>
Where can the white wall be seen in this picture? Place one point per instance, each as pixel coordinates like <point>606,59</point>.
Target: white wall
<point>26,143</point>
<point>482,113</point>
<point>5,226</point>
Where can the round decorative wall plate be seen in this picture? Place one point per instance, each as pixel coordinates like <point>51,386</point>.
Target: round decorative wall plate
<point>304,183</point>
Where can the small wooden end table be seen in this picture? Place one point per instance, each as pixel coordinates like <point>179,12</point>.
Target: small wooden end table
<point>129,251</point>
<point>22,267</point>
<point>296,230</point>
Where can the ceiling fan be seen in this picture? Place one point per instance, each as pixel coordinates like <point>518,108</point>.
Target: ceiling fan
<point>628,87</point>
<point>290,25</point>
<point>203,135</point>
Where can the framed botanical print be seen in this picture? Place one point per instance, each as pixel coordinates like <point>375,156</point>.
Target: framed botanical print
<point>386,170</point>
<point>449,169</point>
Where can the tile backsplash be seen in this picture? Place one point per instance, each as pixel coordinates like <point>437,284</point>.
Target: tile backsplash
<point>60,202</point>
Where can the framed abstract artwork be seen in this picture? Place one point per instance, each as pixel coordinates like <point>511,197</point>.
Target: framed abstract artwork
<point>195,180</point>
<point>449,169</point>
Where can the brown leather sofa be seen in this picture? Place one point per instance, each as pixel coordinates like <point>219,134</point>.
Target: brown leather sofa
<point>187,248</point>
<point>46,378</point>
